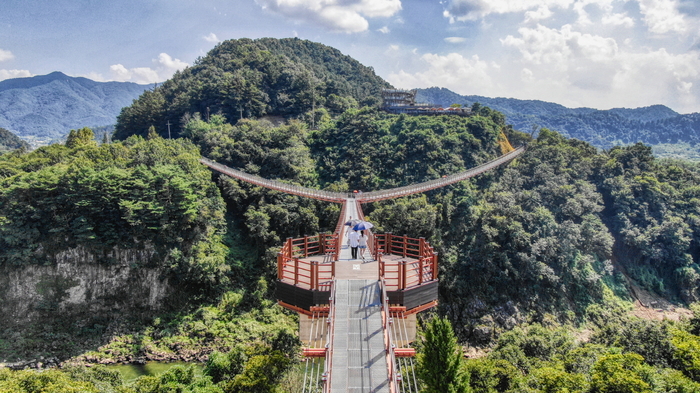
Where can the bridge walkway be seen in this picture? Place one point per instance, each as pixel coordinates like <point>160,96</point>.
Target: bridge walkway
<point>358,358</point>
<point>346,267</point>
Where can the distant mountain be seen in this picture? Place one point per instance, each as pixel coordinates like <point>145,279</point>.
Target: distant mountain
<point>652,125</point>
<point>49,106</point>
<point>10,141</point>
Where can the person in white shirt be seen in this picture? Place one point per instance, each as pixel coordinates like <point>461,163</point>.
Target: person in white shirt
<point>353,238</point>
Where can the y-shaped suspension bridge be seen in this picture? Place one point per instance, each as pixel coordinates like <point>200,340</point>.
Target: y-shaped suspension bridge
<point>358,314</point>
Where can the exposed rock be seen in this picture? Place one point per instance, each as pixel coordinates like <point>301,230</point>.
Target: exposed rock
<point>78,278</point>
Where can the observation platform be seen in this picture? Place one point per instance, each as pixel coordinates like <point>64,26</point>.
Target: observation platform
<point>307,266</point>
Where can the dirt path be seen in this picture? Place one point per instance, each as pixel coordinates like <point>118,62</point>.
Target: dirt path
<point>648,305</point>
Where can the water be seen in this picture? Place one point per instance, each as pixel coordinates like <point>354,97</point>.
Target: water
<point>132,371</point>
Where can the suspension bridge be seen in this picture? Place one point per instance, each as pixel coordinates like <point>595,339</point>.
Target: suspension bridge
<point>357,317</point>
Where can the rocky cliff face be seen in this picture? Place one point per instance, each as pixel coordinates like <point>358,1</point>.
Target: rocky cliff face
<point>78,279</point>
<point>78,294</point>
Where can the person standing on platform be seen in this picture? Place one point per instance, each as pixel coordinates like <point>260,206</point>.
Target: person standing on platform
<point>353,238</point>
<point>362,244</point>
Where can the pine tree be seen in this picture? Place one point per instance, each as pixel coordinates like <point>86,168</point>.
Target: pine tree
<point>440,364</point>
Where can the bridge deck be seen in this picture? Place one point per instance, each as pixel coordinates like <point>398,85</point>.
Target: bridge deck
<point>346,267</point>
<point>359,354</point>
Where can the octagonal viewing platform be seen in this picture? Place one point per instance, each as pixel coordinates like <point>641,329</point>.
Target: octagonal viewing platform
<point>307,266</point>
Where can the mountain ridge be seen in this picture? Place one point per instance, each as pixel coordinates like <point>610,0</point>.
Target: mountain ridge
<point>653,125</point>
<point>48,106</point>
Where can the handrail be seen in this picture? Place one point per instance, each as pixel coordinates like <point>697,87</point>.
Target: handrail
<point>387,321</point>
<point>420,267</point>
<point>341,219</point>
<point>372,196</point>
<point>329,340</point>
<point>292,267</point>
<point>276,184</point>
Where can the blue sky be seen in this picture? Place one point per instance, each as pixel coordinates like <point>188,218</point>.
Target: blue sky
<point>594,53</point>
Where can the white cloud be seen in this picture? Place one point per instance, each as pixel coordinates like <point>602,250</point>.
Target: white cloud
<point>542,45</point>
<point>568,66</point>
<point>453,71</point>
<point>170,64</point>
<point>591,70</point>
<point>211,38</point>
<point>455,40</point>
<point>6,55</point>
<point>165,68</point>
<point>542,12</point>
<point>384,30</point>
<point>662,16</point>
<point>10,74</point>
<point>581,8</point>
<point>618,20</point>
<point>348,16</point>
<point>463,10</point>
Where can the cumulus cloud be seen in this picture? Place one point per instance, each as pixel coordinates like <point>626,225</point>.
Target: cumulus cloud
<point>6,55</point>
<point>384,30</point>
<point>165,67</point>
<point>568,66</point>
<point>619,19</point>
<point>455,40</point>
<point>9,74</point>
<point>663,16</point>
<point>463,10</point>
<point>542,45</point>
<point>211,38</point>
<point>540,13</point>
<point>597,71</point>
<point>348,16</point>
<point>452,70</point>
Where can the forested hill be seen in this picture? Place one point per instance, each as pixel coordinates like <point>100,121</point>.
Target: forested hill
<point>651,125</point>
<point>49,106</point>
<point>247,78</point>
<point>10,141</point>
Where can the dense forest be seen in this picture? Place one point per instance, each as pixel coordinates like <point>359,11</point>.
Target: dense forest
<point>540,260</point>
<point>10,141</point>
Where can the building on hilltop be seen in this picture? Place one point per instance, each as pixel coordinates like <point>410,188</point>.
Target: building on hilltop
<point>404,101</point>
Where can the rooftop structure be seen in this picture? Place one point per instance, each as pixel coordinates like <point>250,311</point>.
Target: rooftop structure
<point>404,101</point>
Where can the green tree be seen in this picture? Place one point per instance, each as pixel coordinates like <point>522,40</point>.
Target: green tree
<point>619,373</point>
<point>81,137</point>
<point>440,363</point>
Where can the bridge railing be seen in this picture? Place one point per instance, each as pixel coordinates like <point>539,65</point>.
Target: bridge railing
<point>327,375</point>
<point>340,197</point>
<point>276,185</point>
<point>387,322</point>
<point>419,267</point>
<point>437,183</point>
<point>311,274</point>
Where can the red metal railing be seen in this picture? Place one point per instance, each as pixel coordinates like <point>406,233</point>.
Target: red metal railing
<point>329,342</point>
<point>419,267</point>
<point>373,196</point>
<point>341,219</point>
<point>387,322</point>
<point>312,274</point>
